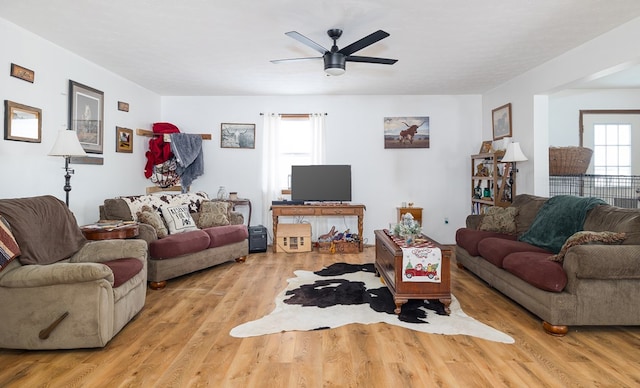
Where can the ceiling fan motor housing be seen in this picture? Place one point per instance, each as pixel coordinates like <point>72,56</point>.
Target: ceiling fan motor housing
<point>334,63</point>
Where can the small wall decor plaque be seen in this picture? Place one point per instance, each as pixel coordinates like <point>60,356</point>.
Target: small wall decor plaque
<point>123,106</point>
<point>23,73</point>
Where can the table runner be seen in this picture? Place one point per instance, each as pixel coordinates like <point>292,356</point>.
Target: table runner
<point>421,261</point>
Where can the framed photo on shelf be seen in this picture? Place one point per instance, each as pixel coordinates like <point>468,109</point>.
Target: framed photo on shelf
<point>237,135</point>
<point>86,116</point>
<point>22,122</point>
<point>501,120</point>
<point>124,140</point>
<point>486,147</point>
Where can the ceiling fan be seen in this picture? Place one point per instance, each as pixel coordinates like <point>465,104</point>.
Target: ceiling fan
<point>335,59</point>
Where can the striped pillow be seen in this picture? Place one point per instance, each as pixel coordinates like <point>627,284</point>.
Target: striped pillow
<point>9,248</point>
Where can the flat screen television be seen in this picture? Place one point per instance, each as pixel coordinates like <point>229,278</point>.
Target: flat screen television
<point>325,182</point>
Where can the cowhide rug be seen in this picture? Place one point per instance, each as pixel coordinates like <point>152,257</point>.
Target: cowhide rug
<point>351,293</point>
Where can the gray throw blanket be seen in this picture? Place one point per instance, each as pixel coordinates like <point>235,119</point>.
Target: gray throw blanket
<point>187,148</point>
<point>559,218</point>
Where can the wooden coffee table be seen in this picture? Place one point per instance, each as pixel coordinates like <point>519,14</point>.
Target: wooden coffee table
<point>95,232</point>
<point>388,265</point>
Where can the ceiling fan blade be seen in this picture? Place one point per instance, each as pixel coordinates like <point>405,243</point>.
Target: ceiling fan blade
<point>364,42</point>
<point>383,61</point>
<point>304,40</point>
<point>294,59</point>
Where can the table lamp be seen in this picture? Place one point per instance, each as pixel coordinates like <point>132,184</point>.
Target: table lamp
<point>67,145</point>
<point>512,155</point>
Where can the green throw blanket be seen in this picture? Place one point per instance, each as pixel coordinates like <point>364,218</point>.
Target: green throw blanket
<point>559,218</point>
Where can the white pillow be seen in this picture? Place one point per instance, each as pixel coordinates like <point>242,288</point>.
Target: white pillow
<point>178,219</point>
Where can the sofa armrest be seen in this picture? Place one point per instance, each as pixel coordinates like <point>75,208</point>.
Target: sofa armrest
<point>147,233</point>
<point>473,221</point>
<point>105,250</point>
<point>609,262</point>
<point>53,274</point>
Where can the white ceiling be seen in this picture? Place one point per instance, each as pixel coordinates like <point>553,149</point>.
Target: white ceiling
<point>213,47</point>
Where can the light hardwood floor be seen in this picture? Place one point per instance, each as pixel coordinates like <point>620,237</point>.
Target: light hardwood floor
<point>181,339</point>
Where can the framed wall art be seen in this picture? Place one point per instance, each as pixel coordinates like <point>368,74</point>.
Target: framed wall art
<point>22,122</point>
<point>501,120</point>
<point>124,140</point>
<point>23,73</point>
<point>237,135</point>
<point>123,106</point>
<point>406,132</point>
<point>86,116</point>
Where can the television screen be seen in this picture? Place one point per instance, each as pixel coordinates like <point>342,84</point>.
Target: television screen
<point>321,183</point>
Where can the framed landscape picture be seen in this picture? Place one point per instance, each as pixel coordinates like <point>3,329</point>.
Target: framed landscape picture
<point>237,135</point>
<point>501,120</point>
<point>86,116</point>
<point>22,122</point>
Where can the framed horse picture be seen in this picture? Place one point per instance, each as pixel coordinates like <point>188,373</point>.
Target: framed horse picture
<point>406,132</point>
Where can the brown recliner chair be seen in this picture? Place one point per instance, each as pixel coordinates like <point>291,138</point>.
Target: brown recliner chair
<point>62,291</point>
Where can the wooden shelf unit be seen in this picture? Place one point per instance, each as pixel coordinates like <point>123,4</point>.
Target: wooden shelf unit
<point>494,177</point>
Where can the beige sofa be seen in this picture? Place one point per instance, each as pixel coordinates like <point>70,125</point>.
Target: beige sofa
<point>184,253</point>
<point>61,291</point>
<point>597,283</point>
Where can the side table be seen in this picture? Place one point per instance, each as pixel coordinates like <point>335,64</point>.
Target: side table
<point>97,232</point>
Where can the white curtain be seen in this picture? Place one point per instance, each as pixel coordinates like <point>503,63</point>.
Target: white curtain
<point>271,190</point>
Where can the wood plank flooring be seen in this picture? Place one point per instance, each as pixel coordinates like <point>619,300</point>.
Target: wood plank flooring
<point>181,339</point>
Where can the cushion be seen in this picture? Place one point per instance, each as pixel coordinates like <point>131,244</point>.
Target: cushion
<point>123,269</point>
<point>494,250</point>
<point>9,248</point>
<point>151,217</point>
<point>213,213</point>
<point>499,219</point>
<point>559,218</point>
<point>469,238</point>
<point>535,269</point>
<point>528,206</point>
<point>179,244</point>
<point>224,235</point>
<point>44,227</point>
<point>615,219</point>
<point>178,219</point>
<point>587,237</point>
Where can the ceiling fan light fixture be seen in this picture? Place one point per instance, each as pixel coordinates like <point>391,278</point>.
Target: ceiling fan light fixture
<point>334,63</point>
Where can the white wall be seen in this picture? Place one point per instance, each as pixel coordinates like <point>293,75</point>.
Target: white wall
<point>436,178</point>
<point>25,168</point>
<point>565,107</point>
<point>529,92</point>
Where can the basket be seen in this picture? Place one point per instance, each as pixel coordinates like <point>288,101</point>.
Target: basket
<point>339,247</point>
<point>569,160</point>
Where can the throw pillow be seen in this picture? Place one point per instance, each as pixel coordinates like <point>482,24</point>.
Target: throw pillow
<point>151,217</point>
<point>213,213</point>
<point>9,248</point>
<point>499,219</point>
<point>587,237</point>
<point>178,219</point>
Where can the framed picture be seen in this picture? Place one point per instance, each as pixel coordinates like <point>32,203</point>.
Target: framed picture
<point>23,73</point>
<point>123,106</point>
<point>22,122</point>
<point>124,140</point>
<point>406,132</point>
<point>237,135</point>
<point>501,120</point>
<point>86,116</point>
<point>486,147</point>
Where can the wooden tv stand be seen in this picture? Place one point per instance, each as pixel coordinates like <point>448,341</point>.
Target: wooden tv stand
<point>319,210</point>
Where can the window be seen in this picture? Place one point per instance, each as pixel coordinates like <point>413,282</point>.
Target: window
<point>612,149</point>
<point>294,145</point>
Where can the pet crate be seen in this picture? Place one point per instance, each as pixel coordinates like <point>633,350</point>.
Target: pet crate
<point>569,160</point>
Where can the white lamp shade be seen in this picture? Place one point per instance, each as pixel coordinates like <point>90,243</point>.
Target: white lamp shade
<point>513,153</point>
<point>67,144</point>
